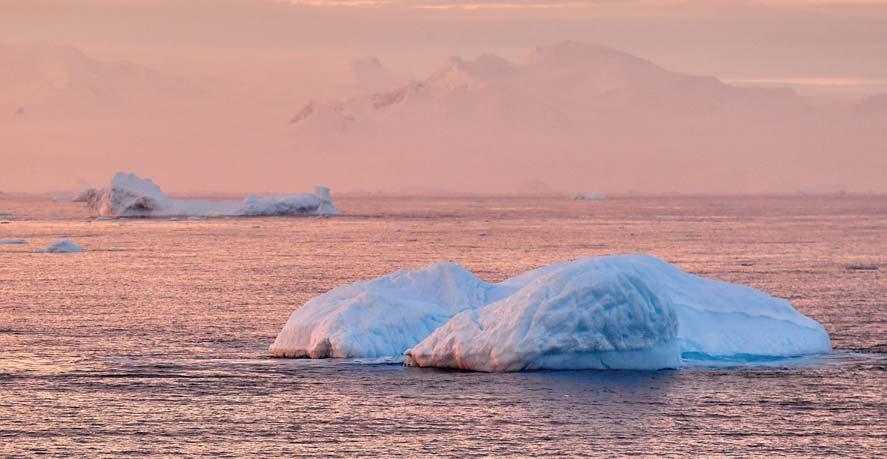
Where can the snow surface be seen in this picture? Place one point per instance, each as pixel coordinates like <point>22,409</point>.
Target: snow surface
<point>13,241</point>
<point>62,246</point>
<point>133,196</point>
<point>625,312</point>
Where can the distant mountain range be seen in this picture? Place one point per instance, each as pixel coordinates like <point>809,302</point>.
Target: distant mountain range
<point>586,117</point>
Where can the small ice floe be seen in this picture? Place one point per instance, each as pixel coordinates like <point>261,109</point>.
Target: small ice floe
<point>13,241</point>
<point>61,246</point>
<point>589,196</point>
<point>862,267</point>
<point>483,234</point>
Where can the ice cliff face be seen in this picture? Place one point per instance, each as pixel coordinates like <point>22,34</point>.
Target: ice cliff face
<point>132,196</point>
<point>621,312</point>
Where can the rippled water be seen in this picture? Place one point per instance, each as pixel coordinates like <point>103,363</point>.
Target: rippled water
<point>154,340</point>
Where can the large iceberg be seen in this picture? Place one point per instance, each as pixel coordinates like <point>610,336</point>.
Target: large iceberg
<point>133,196</point>
<point>621,312</point>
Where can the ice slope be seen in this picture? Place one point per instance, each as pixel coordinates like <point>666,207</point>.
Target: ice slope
<point>133,196</point>
<point>630,312</point>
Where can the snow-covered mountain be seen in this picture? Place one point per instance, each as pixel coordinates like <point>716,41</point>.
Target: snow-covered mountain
<point>562,83</point>
<point>62,80</point>
<point>573,114</point>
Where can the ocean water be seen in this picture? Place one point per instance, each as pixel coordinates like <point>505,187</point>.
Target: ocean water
<point>153,342</point>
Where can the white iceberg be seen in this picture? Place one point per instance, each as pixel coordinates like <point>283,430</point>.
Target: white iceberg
<point>61,246</point>
<point>621,312</point>
<point>13,241</point>
<point>133,196</point>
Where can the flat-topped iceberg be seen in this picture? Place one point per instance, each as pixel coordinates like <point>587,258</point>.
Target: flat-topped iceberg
<point>620,312</point>
<point>133,196</point>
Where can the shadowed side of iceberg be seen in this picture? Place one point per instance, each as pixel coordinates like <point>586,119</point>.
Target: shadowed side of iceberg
<point>724,320</point>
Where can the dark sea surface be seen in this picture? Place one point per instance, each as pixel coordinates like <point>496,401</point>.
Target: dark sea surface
<point>153,342</point>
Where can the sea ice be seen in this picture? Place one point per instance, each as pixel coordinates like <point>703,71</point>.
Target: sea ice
<point>133,196</point>
<point>62,246</point>
<point>622,312</point>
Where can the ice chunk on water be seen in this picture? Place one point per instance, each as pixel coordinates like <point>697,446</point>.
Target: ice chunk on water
<point>62,246</point>
<point>630,311</point>
<point>13,241</point>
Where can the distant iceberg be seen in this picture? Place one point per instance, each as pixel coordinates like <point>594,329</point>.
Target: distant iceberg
<point>62,246</point>
<point>589,197</point>
<point>619,312</point>
<point>133,196</point>
<point>13,241</point>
